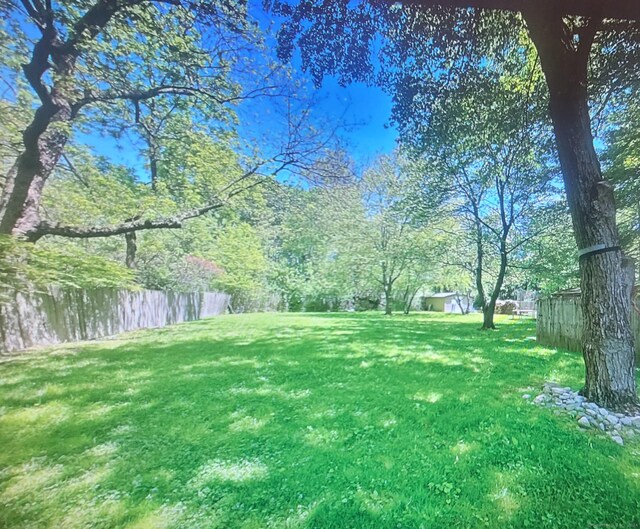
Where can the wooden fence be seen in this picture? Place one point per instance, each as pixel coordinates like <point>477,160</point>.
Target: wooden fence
<point>55,316</point>
<point>559,322</point>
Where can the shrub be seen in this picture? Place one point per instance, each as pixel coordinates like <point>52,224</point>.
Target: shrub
<point>506,306</point>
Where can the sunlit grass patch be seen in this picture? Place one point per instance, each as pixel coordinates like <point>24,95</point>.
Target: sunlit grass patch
<point>29,479</point>
<point>234,471</point>
<point>38,415</point>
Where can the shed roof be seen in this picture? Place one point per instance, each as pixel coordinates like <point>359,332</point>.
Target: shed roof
<point>442,295</point>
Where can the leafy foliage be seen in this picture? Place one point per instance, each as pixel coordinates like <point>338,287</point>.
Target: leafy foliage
<point>23,266</point>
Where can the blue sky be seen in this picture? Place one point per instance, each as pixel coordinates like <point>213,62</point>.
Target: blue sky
<point>370,109</point>
<point>367,108</point>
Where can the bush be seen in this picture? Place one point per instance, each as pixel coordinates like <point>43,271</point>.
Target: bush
<point>25,265</point>
<point>362,304</point>
<point>506,306</point>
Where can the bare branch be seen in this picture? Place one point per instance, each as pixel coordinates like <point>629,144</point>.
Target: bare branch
<point>46,228</point>
<point>178,90</point>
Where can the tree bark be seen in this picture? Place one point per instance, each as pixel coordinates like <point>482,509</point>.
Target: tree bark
<point>409,300</point>
<point>490,309</point>
<point>607,338</point>
<point>44,141</point>
<point>387,300</point>
<point>132,248</point>
<point>45,138</point>
<point>464,308</point>
<point>479,259</point>
<point>488,313</point>
<point>406,301</point>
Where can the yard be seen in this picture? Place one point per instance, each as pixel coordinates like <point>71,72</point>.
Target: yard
<point>314,420</point>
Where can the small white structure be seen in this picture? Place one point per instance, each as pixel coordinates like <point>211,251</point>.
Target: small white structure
<point>448,302</point>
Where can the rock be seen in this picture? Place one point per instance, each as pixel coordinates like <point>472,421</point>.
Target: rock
<point>613,419</point>
<point>565,401</point>
<point>540,399</point>
<point>584,422</point>
<point>526,396</point>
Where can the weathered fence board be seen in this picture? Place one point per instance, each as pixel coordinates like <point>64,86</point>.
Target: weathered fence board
<point>55,316</point>
<point>559,322</point>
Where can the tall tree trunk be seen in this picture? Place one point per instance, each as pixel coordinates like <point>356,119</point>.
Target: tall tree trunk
<point>464,308</point>
<point>479,259</point>
<point>387,300</point>
<point>406,301</point>
<point>409,302</point>
<point>132,247</point>
<point>488,313</point>
<point>607,339</point>
<point>489,309</point>
<point>44,138</point>
<point>44,143</point>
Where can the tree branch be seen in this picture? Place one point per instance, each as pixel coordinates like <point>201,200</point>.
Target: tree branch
<point>188,91</point>
<point>176,222</point>
<point>587,33</point>
<point>35,12</point>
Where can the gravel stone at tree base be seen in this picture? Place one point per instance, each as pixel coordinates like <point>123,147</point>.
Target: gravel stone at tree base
<point>588,414</point>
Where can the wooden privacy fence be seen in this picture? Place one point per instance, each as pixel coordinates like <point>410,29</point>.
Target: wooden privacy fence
<point>59,315</point>
<point>559,322</point>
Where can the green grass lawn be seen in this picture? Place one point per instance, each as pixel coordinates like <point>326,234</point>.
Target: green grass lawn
<point>320,420</point>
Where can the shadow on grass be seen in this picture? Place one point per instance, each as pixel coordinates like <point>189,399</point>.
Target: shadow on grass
<point>319,420</point>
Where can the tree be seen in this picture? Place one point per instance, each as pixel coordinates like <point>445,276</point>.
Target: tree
<point>490,144</point>
<point>75,49</point>
<point>318,269</point>
<point>547,262</point>
<point>389,224</point>
<point>239,252</point>
<point>430,43</point>
<point>157,74</point>
<point>25,267</point>
<point>422,265</point>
